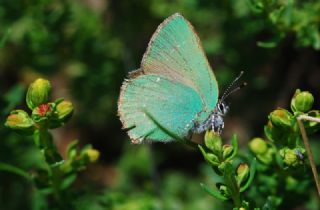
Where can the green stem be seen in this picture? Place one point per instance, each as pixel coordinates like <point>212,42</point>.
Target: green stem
<point>43,139</point>
<point>232,185</point>
<point>237,200</point>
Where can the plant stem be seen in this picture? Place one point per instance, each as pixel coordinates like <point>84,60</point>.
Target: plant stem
<point>308,148</point>
<point>44,141</point>
<point>237,200</point>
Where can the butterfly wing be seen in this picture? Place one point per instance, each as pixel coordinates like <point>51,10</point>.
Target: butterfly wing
<point>172,104</point>
<point>175,85</point>
<point>175,52</point>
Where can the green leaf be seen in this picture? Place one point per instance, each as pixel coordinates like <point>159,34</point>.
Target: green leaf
<point>213,193</point>
<point>234,143</point>
<point>267,44</point>
<point>253,168</point>
<point>58,101</point>
<point>67,181</point>
<point>13,97</point>
<point>14,170</point>
<point>5,38</point>
<point>72,149</point>
<point>208,159</point>
<point>272,203</point>
<point>279,159</point>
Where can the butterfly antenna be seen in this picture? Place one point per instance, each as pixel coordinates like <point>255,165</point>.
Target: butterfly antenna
<point>227,92</point>
<point>234,90</point>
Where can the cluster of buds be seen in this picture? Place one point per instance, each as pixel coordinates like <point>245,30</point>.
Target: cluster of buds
<point>78,160</point>
<point>220,156</point>
<point>44,114</point>
<point>47,115</point>
<point>282,129</point>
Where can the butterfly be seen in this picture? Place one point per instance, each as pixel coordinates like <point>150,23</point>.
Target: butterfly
<point>174,92</point>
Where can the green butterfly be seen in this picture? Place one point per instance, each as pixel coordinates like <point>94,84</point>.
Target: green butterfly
<point>174,93</point>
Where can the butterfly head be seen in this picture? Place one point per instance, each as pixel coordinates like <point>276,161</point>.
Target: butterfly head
<point>222,108</point>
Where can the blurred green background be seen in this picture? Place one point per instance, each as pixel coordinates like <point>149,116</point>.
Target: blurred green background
<point>87,47</point>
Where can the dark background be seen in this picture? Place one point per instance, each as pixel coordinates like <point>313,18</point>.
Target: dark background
<point>86,48</point>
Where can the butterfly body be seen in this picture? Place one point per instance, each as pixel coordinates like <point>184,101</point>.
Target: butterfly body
<point>215,120</point>
<point>174,92</point>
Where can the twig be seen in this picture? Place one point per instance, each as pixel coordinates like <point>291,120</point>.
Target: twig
<point>308,148</point>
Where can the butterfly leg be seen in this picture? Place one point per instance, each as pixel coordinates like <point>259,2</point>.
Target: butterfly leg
<point>199,128</point>
<point>217,123</point>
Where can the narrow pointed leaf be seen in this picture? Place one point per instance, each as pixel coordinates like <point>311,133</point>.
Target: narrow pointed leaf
<point>14,170</point>
<point>213,193</point>
<point>234,143</point>
<point>206,157</point>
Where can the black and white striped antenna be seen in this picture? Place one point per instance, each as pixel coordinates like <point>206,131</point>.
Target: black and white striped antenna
<point>229,91</point>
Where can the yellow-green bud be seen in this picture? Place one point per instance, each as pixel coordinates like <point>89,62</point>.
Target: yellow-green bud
<point>302,101</point>
<point>213,157</point>
<point>213,142</point>
<point>258,146</point>
<point>227,150</point>
<point>93,155</point>
<point>290,157</point>
<point>281,118</point>
<point>19,120</point>
<point>64,110</point>
<point>242,173</point>
<point>38,93</point>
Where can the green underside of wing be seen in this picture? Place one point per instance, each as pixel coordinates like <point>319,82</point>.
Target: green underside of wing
<point>176,53</point>
<point>172,104</point>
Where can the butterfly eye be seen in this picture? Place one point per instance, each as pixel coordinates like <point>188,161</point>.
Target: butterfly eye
<point>221,107</point>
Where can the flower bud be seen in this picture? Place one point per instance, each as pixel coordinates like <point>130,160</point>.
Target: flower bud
<point>291,157</point>
<point>42,110</point>
<point>258,146</point>
<point>274,133</point>
<point>212,158</point>
<point>64,110</point>
<point>242,173</point>
<point>213,142</point>
<point>19,120</point>
<point>41,114</point>
<point>302,101</point>
<point>227,151</point>
<point>38,93</point>
<point>93,155</point>
<point>281,118</point>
